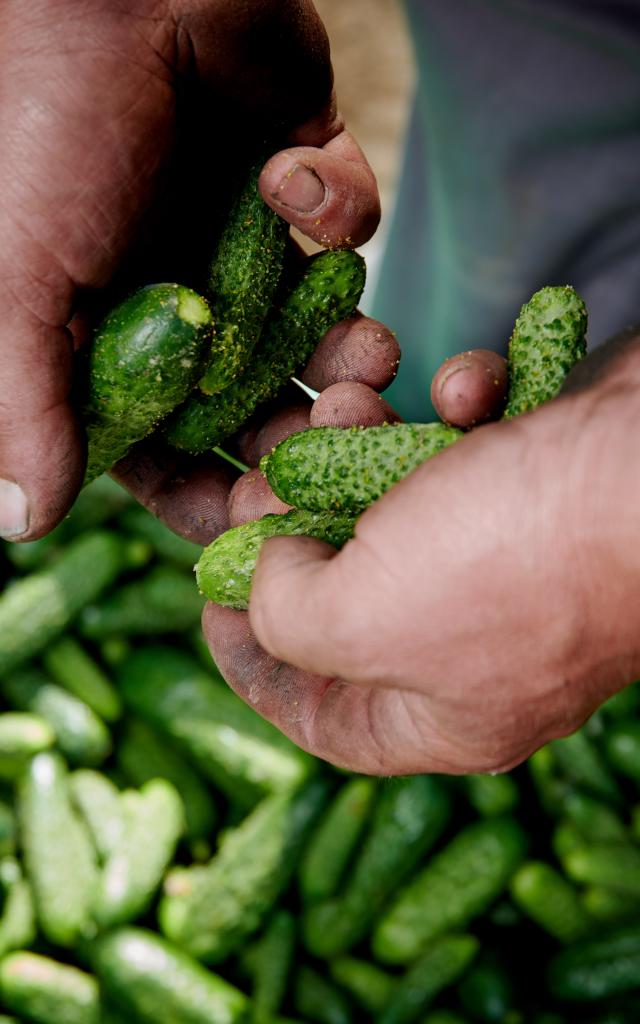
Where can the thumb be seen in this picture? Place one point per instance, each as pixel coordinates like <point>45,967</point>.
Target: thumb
<point>41,455</point>
<point>304,605</point>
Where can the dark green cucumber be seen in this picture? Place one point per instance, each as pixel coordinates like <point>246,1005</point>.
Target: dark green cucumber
<point>439,966</point>
<point>613,865</point>
<point>143,754</point>
<point>7,830</point>
<point>551,901</point>
<point>22,736</point>
<point>234,747</point>
<point>547,341</point>
<point>318,1000</point>
<point>39,607</point>
<point>160,984</point>
<point>142,362</point>
<point>98,801</point>
<point>225,570</point>
<point>598,967</point>
<point>153,824</point>
<point>610,907</point>
<point>167,545</point>
<point>209,910</point>
<point>272,964</point>
<point>487,992</point>
<point>69,665</point>
<point>348,469</point>
<point>57,850</point>
<point>596,821</point>
<point>579,759</point>
<point>327,290</point>
<point>368,985</point>
<point>48,992</point>
<point>457,885</point>
<point>18,919</point>
<point>550,785</point>
<point>410,816</point>
<point>163,601</point>
<point>624,704</point>
<point>334,840</point>
<point>82,737</point>
<point>491,795</point>
<point>245,271</point>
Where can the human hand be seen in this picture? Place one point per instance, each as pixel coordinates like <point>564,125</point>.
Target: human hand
<point>485,606</point>
<point>123,125</point>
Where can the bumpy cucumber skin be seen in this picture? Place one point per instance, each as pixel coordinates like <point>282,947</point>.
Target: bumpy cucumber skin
<point>409,818</point>
<point>225,570</point>
<point>210,910</point>
<point>547,341</point>
<point>48,992</point>
<point>348,469</point>
<point>245,272</point>
<point>438,967</point>
<point>39,607</point>
<point>327,291</point>
<point>58,853</point>
<point>137,865</point>
<point>152,979</point>
<point>457,884</point>
<point>597,967</point>
<point>142,362</point>
<point>550,900</point>
<point>242,754</point>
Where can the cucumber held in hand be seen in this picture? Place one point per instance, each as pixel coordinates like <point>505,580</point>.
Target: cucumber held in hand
<point>327,290</point>
<point>348,469</point>
<point>143,361</point>
<point>225,570</point>
<point>547,341</point>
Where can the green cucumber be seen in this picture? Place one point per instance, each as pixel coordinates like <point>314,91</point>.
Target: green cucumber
<point>491,795</point>
<point>22,736</point>
<point>367,984</point>
<point>37,608</point>
<point>596,821</point>
<point>566,837</point>
<point>153,824</point>
<point>457,885</point>
<point>318,1000</point>
<point>7,830</point>
<point>225,570</point>
<point>163,601</point>
<point>409,818</point>
<point>142,755</point>
<point>579,759</point>
<point>439,966</point>
<point>142,362</point>
<point>624,704</point>
<point>57,850</point>
<point>168,546</point>
<point>325,468</point>
<point>613,865</point>
<point>487,992</point>
<point>326,290</point>
<point>18,919</point>
<point>81,736</point>
<point>241,753</point>
<point>551,901</point>
<point>98,801</point>
<point>48,992</point>
<point>69,665</point>
<point>598,967</point>
<point>335,838</point>
<point>272,965</point>
<point>245,271</point>
<point>622,747</point>
<point>547,341</point>
<point>209,910</point>
<point>549,783</point>
<point>608,906</point>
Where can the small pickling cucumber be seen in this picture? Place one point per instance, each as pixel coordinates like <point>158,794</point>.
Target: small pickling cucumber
<point>58,853</point>
<point>608,906</point>
<point>439,966</point>
<point>39,607</point>
<point>160,984</point>
<point>48,992</point>
<point>369,985</point>
<point>181,553</point>
<point>153,821</point>
<point>18,919</point>
<point>348,469</point>
<point>316,998</point>
<point>613,865</point>
<point>272,961</point>
<point>491,795</point>
<point>225,570</point>
<point>163,601</point>
<point>245,271</point>
<point>547,341</point>
<point>209,910</point>
<point>581,762</point>
<point>69,665</point>
<point>98,800</point>
<point>597,967</point>
<point>457,884</point>
<point>551,901</point>
<point>597,822</point>
<point>325,290</point>
<point>22,736</point>
<point>143,360</point>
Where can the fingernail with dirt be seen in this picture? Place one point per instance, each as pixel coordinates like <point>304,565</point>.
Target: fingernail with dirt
<point>14,510</point>
<point>301,189</point>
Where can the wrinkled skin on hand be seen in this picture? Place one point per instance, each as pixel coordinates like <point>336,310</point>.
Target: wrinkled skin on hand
<point>487,604</point>
<point>123,125</point>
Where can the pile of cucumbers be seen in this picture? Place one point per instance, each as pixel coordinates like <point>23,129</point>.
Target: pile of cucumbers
<point>167,857</point>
